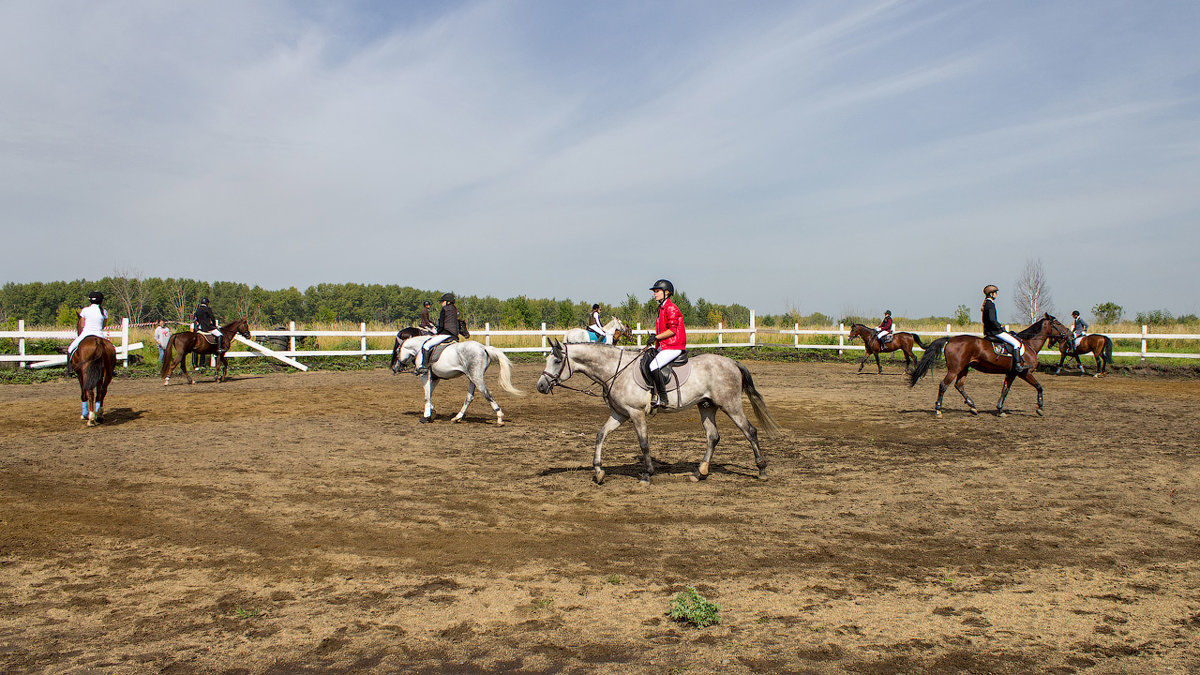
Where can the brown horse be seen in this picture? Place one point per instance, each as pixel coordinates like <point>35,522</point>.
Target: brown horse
<point>903,341</point>
<point>1099,346</point>
<point>93,362</point>
<point>186,342</point>
<point>967,351</point>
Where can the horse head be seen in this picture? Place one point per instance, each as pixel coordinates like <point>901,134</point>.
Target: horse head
<point>858,330</point>
<point>556,362</point>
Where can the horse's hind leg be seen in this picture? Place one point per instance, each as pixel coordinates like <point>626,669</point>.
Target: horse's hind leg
<point>708,417</point>
<point>738,416</point>
<point>1008,380</point>
<point>878,364</point>
<point>615,420</point>
<point>487,395</point>
<point>958,384</point>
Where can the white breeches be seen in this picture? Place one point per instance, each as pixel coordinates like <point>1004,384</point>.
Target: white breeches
<point>1012,340</point>
<point>664,357</point>
<point>79,338</point>
<point>429,345</point>
<point>882,334</point>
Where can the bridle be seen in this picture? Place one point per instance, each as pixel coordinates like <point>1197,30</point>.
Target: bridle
<point>556,379</point>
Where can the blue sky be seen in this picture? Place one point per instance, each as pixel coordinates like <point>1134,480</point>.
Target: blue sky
<point>841,157</point>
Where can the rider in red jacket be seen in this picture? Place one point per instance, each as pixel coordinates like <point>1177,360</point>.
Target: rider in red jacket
<point>670,337</point>
<point>885,327</point>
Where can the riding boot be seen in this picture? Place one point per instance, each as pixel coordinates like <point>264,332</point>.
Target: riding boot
<point>1018,363</point>
<point>423,361</point>
<point>220,344</point>
<point>660,390</point>
<point>70,370</point>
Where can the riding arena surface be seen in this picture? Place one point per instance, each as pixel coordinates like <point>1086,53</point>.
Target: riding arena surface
<point>307,523</point>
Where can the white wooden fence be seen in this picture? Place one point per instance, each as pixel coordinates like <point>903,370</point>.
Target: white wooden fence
<point>753,336</point>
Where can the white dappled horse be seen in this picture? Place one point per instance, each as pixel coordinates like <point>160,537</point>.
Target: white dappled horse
<point>584,335</point>
<point>468,358</point>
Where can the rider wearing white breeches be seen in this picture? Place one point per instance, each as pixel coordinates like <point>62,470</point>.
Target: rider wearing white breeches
<point>993,329</point>
<point>595,326</point>
<point>91,322</point>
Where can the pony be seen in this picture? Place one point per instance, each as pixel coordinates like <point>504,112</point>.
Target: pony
<point>186,342</point>
<point>967,351</point>
<point>614,327</point>
<point>1100,346</point>
<point>716,383</point>
<point>93,360</point>
<point>903,341</point>
<point>468,358</point>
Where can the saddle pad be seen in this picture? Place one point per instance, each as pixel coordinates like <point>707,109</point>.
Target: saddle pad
<point>1001,348</point>
<point>679,375</point>
<point>438,349</point>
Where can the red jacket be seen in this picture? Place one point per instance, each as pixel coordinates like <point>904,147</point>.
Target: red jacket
<point>670,318</point>
<point>886,324</point>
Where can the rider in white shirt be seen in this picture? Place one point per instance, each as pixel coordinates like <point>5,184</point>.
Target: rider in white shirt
<point>596,326</point>
<point>90,322</point>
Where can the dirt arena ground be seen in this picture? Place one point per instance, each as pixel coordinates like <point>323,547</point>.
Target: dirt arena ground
<point>308,523</point>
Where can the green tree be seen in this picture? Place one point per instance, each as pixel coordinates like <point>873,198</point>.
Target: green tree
<point>962,315</point>
<point>1107,313</point>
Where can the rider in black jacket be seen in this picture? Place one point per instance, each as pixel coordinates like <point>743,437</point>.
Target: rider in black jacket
<point>449,327</point>
<point>206,321</point>
<point>992,328</point>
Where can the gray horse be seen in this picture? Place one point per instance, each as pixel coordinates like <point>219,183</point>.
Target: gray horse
<point>716,382</point>
<point>461,358</point>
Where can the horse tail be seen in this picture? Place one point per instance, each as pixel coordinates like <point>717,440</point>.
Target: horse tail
<point>167,357</point>
<point>505,369</point>
<point>1108,347</point>
<point>917,339</point>
<point>93,371</point>
<point>931,353</point>
<point>756,402</point>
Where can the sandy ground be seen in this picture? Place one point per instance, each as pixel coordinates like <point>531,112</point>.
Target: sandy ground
<point>307,522</point>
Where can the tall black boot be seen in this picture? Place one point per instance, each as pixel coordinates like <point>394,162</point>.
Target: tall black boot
<point>1018,364</point>
<point>424,359</point>
<point>660,390</point>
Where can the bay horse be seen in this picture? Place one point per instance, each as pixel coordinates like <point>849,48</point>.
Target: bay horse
<point>1099,346</point>
<point>199,342</point>
<point>468,358</point>
<point>716,383</point>
<point>968,351</point>
<point>614,327</point>
<point>902,341</point>
<point>93,362</point>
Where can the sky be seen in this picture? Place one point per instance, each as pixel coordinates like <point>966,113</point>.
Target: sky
<point>840,157</point>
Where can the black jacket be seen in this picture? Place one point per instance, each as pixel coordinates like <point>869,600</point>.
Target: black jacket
<point>204,318</point>
<point>991,326</point>
<point>449,323</point>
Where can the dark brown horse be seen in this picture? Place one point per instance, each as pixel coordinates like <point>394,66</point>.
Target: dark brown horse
<point>186,342</point>
<point>967,351</point>
<point>902,341</point>
<point>1099,346</point>
<point>93,362</point>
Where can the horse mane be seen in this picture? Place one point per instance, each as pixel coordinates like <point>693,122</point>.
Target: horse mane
<point>1032,330</point>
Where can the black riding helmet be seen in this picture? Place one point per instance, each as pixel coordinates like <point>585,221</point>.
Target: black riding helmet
<point>1075,313</point>
<point>96,297</point>
<point>204,301</point>
<point>664,285</point>
<point>596,306</point>
<point>448,297</point>
<point>428,303</point>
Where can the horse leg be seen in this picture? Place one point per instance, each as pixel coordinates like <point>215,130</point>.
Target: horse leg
<point>428,384</point>
<point>878,364</point>
<point>738,416</point>
<point>615,420</point>
<point>1028,377</point>
<point>1079,363</point>
<point>183,367</point>
<point>942,387</point>
<point>863,361</point>
<point>83,398</point>
<point>467,401</point>
<point>639,425</point>
<point>1062,357</point>
<point>487,395</point>
<point>958,384</point>
<point>1008,380</point>
<point>708,417</point>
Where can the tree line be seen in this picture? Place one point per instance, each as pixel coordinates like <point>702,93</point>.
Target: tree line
<point>149,299</point>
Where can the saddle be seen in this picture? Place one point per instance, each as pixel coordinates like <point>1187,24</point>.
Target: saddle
<point>437,351</point>
<point>1002,348</point>
<point>675,372</point>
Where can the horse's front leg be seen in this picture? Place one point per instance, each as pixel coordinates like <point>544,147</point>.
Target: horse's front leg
<point>863,361</point>
<point>428,383</point>
<point>1028,377</point>
<point>878,364</point>
<point>1061,358</point>
<point>615,420</point>
<point>639,425</point>
<point>1008,380</point>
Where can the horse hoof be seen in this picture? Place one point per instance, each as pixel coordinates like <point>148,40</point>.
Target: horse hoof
<point>703,470</point>
<point>456,420</point>
<point>937,413</point>
<point>696,478</point>
<point>167,382</point>
<point>642,480</point>
<point>499,423</point>
<point>598,476</point>
<point>426,420</point>
<point>974,411</point>
<point>1001,413</point>
<point>762,473</point>
<point>1039,412</point>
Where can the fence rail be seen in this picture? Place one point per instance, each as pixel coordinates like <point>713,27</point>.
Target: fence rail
<point>726,337</point>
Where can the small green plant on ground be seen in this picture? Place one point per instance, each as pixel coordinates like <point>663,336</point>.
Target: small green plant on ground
<point>690,607</point>
<point>243,613</point>
<point>541,603</point>
<point>615,579</point>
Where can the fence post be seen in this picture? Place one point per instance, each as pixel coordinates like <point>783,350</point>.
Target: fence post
<point>543,336</point>
<point>753,332</point>
<point>21,340</point>
<point>363,328</point>
<point>841,337</point>
<point>1143,343</point>
<point>125,339</point>
<point>720,335</point>
<point>639,334</point>
<point>796,337</point>
<point>487,334</point>
<point>947,330</point>
<point>292,338</point>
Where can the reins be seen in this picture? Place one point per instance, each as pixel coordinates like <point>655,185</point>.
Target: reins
<point>557,380</point>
